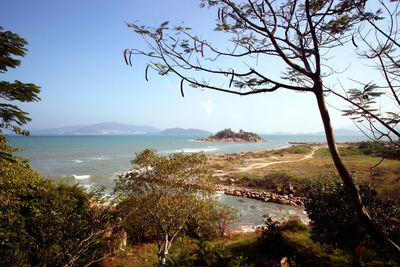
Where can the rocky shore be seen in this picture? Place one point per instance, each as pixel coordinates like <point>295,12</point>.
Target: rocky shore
<point>228,135</point>
<point>212,139</point>
<point>284,199</point>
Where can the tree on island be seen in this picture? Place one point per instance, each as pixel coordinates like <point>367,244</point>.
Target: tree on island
<point>300,34</point>
<point>12,118</point>
<point>228,134</point>
<point>165,191</point>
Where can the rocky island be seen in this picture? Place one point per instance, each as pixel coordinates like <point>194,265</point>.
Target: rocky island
<point>228,135</point>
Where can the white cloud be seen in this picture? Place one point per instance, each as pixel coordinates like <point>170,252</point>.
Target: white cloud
<point>234,116</point>
<point>207,105</point>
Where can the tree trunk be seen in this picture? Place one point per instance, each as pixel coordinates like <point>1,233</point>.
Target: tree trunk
<point>162,255</point>
<point>370,226</point>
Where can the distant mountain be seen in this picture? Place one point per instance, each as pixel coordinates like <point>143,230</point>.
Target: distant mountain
<point>98,129</point>
<point>180,131</point>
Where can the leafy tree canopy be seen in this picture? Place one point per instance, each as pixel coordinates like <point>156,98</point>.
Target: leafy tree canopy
<point>11,116</point>
<point>299,33</point>
<point>166,191</point>
<point>333,220</point>
<point>44,224</point>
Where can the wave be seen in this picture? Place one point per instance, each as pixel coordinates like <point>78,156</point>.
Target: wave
<point>77,161</point>
<point>81,177</point>
<point>100,158</point>
<point>195,150</point>
<point>189,150</point>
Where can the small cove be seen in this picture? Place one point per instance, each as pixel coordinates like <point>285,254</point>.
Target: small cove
<point>250,211</point>
<point>97,160</point>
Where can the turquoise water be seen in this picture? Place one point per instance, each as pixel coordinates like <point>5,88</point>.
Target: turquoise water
<point>97,160</point>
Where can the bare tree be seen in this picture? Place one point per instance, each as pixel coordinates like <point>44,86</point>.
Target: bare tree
<point>300,33</point>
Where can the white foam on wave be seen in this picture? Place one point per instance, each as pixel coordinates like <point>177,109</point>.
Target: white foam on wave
<point>195,150</point>
<point>100,158</point>
<point>77,161</point>
<point>81,177</point>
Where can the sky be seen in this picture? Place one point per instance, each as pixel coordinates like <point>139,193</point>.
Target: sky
<point>76,56</point>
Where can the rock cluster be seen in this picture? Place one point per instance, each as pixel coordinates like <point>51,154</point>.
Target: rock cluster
<point>213,139</point>
<point>228,135</point>
<point>264,196</point>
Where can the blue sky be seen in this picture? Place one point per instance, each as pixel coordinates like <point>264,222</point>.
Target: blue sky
<point>75,55</point>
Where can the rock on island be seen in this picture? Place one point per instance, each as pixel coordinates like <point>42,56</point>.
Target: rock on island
<point>228,135</point>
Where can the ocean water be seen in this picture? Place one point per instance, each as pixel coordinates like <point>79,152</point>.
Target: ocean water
<point>97,160</point>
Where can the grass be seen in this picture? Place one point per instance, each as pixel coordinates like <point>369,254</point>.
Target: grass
<point>385,177</point>
<point>138,255</point>
<point>255,249</point>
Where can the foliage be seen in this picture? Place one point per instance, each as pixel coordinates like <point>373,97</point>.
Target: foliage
<point>242,135</point>
<point>44,224</point>
<point>376,42</point>
<point>211,220</point>
<point>11,117</point>
<point>209,254</point>
<point>333,220</point>
<point>294,224</point>
<point>380,149</point>
<point>223,219</point>
<point>166,191</point>
<point>301,34</point>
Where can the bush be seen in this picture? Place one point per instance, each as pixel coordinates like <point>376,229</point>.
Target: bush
<point>167,192</point>
<point>293,225</point>
<point>379,149</point>
<point>209,254</point>
<point>44,224</point>
<point>334,222</point>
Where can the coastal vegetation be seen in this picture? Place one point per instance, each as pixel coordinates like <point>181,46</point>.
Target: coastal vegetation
<point>41,223</point>
<point>164,196</point>
<point>163,211</point>
<point>48,224</point>
<point>301,35</point>
<point>228,135</point>
<point>326,241</point>
<point>11,116</point>
<point>333,222</point>
<point>281,168</point>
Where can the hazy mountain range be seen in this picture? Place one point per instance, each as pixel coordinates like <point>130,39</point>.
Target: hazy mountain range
<point>108,128</point>
<point>115,128</point>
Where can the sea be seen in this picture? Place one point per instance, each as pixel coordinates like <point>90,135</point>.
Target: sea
<point>96,160</point>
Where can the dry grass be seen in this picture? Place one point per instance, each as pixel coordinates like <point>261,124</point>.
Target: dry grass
<point>385,177</point>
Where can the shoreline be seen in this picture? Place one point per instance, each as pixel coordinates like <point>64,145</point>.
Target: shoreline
<point>264,196</point>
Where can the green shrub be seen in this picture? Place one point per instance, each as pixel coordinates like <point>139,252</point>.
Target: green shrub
<point>379,149</point>
<point>209,254</point>
<point>334,222</point>
<point>294,225</point>
<point>44,224</point>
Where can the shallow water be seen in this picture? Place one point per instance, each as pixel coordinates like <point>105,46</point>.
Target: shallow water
<point>250,211</point>
<point>97,160</point>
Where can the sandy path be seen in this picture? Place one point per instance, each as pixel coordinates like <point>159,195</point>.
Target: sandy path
<point>266,164</point>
